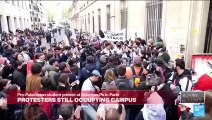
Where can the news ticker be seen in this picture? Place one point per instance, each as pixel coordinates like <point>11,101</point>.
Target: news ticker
<point>108,97</point>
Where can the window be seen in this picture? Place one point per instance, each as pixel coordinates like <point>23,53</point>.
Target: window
<point>85,24</point>
<point>87,1</point>
<point>81,20</point>
<point>108,17</point>
<point>124,11</point>
<point>0,25</point>
<point>154,18</point>
<point>89,22</point>
<point>18,2</point>
<point>93,20</point>
<point>22,4</point>
<point>13,2</point>
<point>8,23</point>
<point>99,18</point>
<point>25,4</point>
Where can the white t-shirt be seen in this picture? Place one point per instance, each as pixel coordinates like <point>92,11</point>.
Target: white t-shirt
<point>87,86</point>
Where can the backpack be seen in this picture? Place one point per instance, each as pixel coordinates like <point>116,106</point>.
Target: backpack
<point>123,84</point>
<point>137,79</point>
<point>187,83</point>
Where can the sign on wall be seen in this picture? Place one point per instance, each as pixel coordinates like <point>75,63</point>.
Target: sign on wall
<point>115,36</point>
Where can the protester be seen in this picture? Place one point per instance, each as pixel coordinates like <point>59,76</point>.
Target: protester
<point>33,112</point>
<point>4,86</point>
<point>63,82</point>
<point>123,84</point>
<point>34,80</point>
<point>51,70</point>
<point>66,112</point>
<point>109,79</point>
<point>32,64</point>
<point>136,69</point>
<point>88,85</point>
<point>182,78</point>
<point>18,76</point>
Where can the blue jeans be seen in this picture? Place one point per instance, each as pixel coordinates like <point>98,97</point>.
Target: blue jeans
<point>89,111</point>
<point>127,114</point>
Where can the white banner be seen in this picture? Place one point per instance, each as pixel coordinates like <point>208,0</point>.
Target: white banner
<point>115,36</point>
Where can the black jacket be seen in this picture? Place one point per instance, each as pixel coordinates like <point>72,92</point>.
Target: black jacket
<point>19,79</point>
<point>177,77</point>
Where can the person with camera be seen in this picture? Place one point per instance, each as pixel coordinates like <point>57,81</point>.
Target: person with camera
<point>155,79</point>
<point>153,107</point>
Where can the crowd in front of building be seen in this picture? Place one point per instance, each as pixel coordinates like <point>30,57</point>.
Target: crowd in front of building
<point>90,65</point>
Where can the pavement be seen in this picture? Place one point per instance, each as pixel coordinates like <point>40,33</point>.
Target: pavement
<point>59,38</point>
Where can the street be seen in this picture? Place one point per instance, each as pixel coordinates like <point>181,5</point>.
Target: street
<point>58,37</point>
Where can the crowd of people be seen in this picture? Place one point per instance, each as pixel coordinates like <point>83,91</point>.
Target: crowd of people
<point>27,64</point>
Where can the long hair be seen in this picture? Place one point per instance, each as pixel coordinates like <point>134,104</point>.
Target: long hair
<point>32,111</point>
<point>109,75</point>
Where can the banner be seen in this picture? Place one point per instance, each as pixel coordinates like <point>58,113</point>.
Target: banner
<point>85,97</point>
<point>200,65</point>
<point>115,36</point>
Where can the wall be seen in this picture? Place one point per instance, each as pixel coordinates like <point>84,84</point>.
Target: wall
<point>184,22</point>
<point>176,17</point>
<point>15,12</point>
<point>136,9</point>
<point>136,19</point>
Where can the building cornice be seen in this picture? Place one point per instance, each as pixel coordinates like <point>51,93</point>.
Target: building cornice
<point>87,6</point>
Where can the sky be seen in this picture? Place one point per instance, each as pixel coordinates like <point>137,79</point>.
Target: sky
<point>51,6</point>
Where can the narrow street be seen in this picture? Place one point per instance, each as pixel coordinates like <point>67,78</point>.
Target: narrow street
<point>59,38</point>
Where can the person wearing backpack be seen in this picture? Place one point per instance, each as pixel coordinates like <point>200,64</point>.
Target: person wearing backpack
<point>123,84</point>
<point>109,78</point>
<point>136,72</point>
<point>182,77</point>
